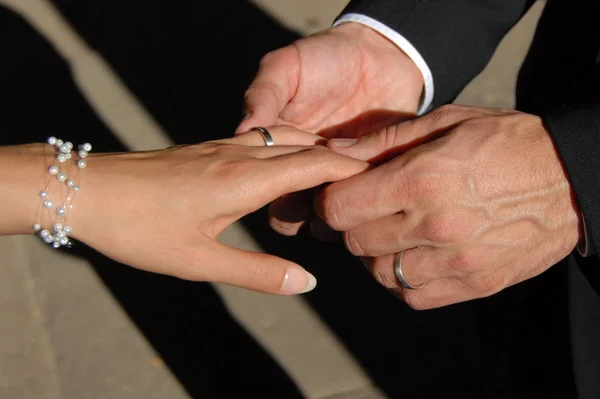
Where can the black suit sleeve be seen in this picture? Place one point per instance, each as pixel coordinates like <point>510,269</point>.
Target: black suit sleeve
<point>575,130</point>
<point>455,37</point>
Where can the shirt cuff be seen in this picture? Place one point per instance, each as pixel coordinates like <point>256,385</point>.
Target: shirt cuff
<point>584,248</point>
<point>404,45</point>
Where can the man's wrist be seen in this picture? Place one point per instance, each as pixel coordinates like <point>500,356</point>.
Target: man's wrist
<point>405,46</point>
<point>378,43</point>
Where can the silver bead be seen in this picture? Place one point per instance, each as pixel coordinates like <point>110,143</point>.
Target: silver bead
<point>64,241</point>
<point>68,155</point>
<point>61,211</point>
<point>83,154</point>
<point>60,235</point>
<point>52,140</point>
<point>49,239</point>
<point>37,227</point>
<point>82,163</point>
<point>61,176</point>
<point>58,227</point>
<point>75,188</point>
<point>69,144</point>
<point>61,158</point>
<point>44,233</point>
<point>59,142</point>
<point>70,183</point>
<point>64,148</point>
<point>53,170</point>
<point>67,230</point>
<point>48,204</point>
<point>43,194</point>
<point>70,244</point>
<point>56,245</point>
<point>87,147</point>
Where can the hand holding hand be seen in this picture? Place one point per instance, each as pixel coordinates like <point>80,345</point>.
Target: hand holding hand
<point>477,198</point>
<point>347,81</point>
<point>161,211</point>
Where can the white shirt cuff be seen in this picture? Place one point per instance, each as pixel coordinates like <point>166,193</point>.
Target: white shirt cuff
<point>405,46</point>
<point>583,248</point>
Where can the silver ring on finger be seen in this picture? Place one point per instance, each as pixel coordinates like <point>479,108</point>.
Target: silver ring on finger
<point>269,142</point>
<point>398,270</point>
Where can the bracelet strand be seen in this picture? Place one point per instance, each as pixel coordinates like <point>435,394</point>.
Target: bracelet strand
<point>59,233</point>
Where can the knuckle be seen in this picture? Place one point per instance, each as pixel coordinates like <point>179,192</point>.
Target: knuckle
<point>231,169</point>
<point>352,241</point>
<point>466,262</point>
<point>207,148</point>
<point>415,301</point>
<point>424,184</point>
<point>440,229</point>
<point>385,277</point>
<point>387,137</point>
<point>445,112</point>
<point>489,285</point>
<point>329,208</point>
<point>285,228</point>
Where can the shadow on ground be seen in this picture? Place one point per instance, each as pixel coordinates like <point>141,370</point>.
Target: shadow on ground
<point>189,63</point>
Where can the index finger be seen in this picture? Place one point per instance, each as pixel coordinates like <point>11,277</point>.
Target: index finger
<point>282,135</point>
<point>364,198</point>
<point>304,169</point>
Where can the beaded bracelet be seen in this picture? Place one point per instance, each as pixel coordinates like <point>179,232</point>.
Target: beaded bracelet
<point>59,234</point>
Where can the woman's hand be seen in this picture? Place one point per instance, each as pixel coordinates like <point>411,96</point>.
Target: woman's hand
<point>161,211</point>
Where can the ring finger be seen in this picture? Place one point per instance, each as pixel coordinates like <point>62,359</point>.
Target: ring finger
<point>383,237</point>
<point>419,266</point>
<point>282,136</point>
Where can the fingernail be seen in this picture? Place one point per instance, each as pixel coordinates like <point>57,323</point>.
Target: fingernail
<point>343,142</point>
<point>297,281</point>
<point>322,232</point>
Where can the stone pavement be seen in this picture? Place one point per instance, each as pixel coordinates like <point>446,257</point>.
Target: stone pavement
<point>65,336</point>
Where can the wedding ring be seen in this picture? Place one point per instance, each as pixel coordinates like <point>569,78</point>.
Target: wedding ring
<point>266,135</point>
<point>400,275</point>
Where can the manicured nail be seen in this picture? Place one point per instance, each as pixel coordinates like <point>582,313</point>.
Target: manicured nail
<point>344,142</point>
<point>322,232</point>
<point>297,281</point>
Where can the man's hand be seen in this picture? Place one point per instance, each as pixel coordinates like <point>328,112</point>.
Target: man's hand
<point>347,81</point>
<point>477,198</point>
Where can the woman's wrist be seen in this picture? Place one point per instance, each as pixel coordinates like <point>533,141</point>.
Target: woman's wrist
<point>25,177</point>
<point>22,178</point>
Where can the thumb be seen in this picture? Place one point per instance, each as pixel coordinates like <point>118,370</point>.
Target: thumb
<point>394,140</point>
<point>259,272</point>
<point>385,144</point>
<point>271,90</point>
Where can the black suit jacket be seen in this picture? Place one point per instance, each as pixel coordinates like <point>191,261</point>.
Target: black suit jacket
<point>560,81</point>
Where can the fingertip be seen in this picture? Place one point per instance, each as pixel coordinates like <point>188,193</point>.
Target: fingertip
<point>243,127</point>
<point>297,281</point>
<point>340,145</point>
<point>353,148</point>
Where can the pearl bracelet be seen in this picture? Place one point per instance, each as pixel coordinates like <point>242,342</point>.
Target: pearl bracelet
<point>59,234</point>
